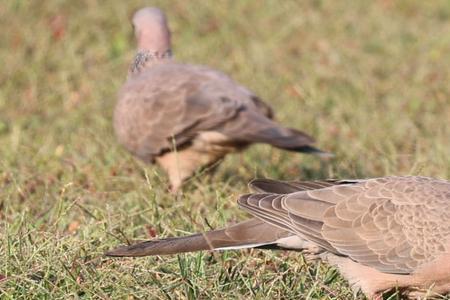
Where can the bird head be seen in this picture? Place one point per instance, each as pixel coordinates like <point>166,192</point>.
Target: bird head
<point>151,30</point>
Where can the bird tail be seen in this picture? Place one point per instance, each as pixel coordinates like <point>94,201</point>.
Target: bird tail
<point>249,234</point>
<point>257,128</point>
<point>311,150</point>
<point>290,139</point>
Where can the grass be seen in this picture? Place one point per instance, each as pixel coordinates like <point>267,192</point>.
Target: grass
<point>369,80</point>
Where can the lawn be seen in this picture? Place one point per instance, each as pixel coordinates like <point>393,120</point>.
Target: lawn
<point>369,79</point>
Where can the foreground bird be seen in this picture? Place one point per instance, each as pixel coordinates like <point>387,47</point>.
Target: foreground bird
<point>185,117</point>
<point>381,233</point>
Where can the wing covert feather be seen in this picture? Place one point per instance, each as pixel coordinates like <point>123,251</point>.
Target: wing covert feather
<point>393,224</point>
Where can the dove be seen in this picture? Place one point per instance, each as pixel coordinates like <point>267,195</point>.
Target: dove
<point>381,233</point>
<point>187,117</point>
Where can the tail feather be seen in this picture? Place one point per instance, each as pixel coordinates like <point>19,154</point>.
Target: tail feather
<point>312,150</point>
<point>278,136</point>
<point>192,243</point>
<point>257,128</point>
<point>249,234</point>
<point>289,139</point>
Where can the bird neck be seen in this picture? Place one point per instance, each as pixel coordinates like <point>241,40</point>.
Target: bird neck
<point>146,58</point>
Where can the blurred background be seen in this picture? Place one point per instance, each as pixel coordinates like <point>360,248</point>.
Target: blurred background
<point>370,80</point>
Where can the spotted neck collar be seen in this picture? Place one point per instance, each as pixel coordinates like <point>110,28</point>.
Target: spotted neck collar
<point>145,57</point>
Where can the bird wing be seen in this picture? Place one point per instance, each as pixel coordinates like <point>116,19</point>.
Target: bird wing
<point>165,107</point>
<point>393,224</point>
<point>168,105</point>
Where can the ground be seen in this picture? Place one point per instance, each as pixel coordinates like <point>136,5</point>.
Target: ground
<point>368,79</point>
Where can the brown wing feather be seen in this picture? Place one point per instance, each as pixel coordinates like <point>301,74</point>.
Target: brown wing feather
<point>393,224</point>
<point>170,103</point>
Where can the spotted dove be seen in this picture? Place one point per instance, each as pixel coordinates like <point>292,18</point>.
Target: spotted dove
<point>186,117</point>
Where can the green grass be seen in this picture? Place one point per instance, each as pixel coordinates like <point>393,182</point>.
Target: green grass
<point>370,80</point>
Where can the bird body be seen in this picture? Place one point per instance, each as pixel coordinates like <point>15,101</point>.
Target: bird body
<point>185,117</point>
<point>380,233</point>
<point>180,101</point>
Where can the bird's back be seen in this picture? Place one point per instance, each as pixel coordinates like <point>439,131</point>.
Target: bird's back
<point>152,103</point>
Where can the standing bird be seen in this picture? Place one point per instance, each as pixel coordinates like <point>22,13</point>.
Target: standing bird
<point>381,233</point>
<point>185,117</point>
